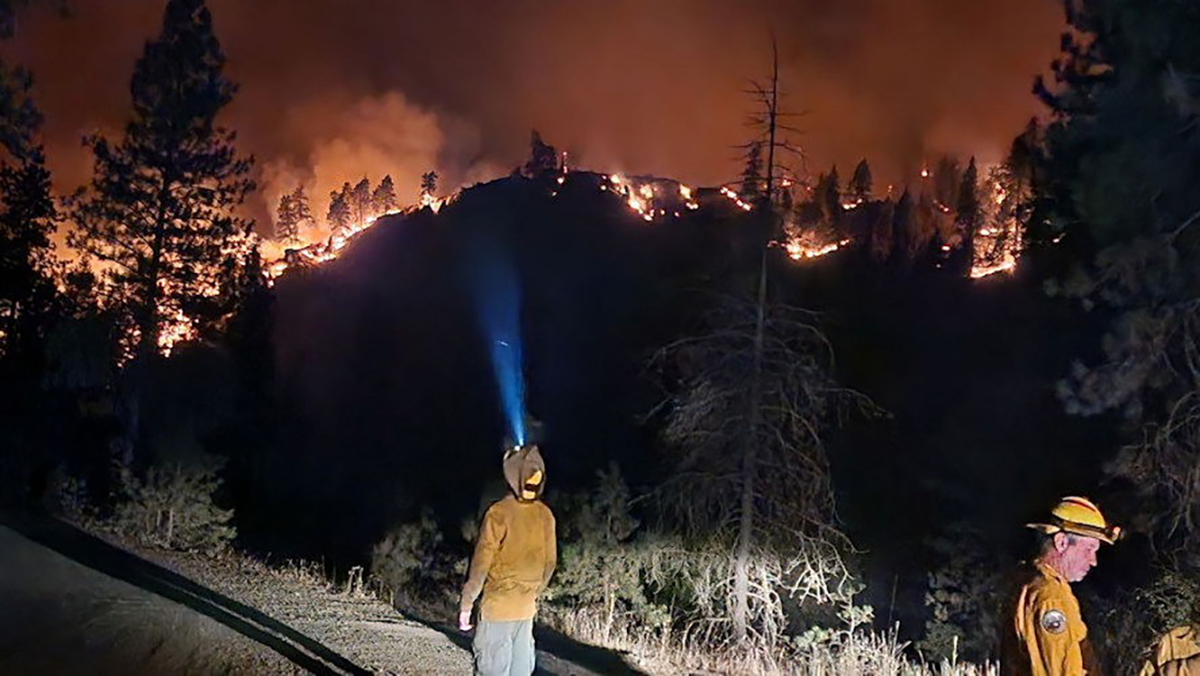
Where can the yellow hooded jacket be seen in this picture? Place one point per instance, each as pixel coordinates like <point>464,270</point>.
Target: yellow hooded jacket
<point>516,552</point>
<point>1047,636</point>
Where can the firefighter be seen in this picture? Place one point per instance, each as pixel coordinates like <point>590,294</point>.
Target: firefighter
<point>513,561</point>
<point>1177,653</point>
<point>1044,634</point>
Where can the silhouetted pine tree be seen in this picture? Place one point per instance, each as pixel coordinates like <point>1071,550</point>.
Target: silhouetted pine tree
<point>383,200</point>
<point>967,217</point>
<point>752,178</point>
<point>543,159</point>
<point>160,211</point>
<point>360,201</point>
<point>26,222</point>
<point>861,183</point>
<point>340,214</point>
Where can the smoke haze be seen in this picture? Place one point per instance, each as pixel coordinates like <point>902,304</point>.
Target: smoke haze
<point>332,91</point>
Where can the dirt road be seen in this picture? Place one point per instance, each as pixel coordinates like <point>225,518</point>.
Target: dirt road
<point>73,603</point>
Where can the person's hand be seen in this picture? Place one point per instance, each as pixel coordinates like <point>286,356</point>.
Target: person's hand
<point>464,620</point>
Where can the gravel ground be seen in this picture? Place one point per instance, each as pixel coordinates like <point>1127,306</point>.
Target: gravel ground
<point>73,602</point>
<point>60,617</point>
<point>359,627</point>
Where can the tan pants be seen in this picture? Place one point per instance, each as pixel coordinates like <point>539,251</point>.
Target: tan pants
<point>504,648</point>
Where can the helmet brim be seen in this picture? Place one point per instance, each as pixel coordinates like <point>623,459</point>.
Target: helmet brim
<point>1108,535</point>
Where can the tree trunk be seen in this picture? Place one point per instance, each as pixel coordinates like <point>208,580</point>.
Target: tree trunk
<point>149,324</point>
<point>745,536</point>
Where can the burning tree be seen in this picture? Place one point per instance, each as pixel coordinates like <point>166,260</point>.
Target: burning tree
<point>967,217</point>
<point>160,209</point>
<point>429,186</point>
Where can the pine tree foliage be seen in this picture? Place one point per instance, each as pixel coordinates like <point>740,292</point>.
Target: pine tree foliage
<point>861,183</point>
<point>293,213</point>
<point>360,201</point>
<point>161,210</point>
<point>543,159</point>
<point>429,185</point>
<point>172,507</point>
<point>383,198</point>
<point>602,564</point>
<point>1118,172</point>
<point>752,174</point>
<point>340,213</point>
<point>967,219</point>
<point>27,216</point>
<point>828,196</point>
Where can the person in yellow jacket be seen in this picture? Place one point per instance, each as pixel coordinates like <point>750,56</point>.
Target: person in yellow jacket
<point>1045,634</point>
<point>514,559</point>
<point>1177,653</point>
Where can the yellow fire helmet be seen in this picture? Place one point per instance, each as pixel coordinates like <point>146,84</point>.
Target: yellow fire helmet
<point>1079,516</point>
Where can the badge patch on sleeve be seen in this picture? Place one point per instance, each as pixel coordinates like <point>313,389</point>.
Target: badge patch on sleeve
<point>1054,621</point>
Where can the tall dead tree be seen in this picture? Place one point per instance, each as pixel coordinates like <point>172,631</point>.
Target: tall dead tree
<point>767,119</point>
<point>751,395</point>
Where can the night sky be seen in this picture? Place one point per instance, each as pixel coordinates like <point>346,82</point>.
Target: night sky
<point>333,90</point>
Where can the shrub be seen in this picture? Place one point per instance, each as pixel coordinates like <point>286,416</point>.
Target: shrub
<point>964,599</point>
<point>172,507</point>
<point>1129,623</point>
<point>602,567</point>
<point>412,563</point>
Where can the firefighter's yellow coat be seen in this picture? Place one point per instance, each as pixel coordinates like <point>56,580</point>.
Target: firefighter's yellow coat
<point>1176,654</point>
<point>1047,636</point>
<point>516,552</point>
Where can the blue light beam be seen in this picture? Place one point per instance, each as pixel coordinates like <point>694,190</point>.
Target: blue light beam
<point>499,300</point>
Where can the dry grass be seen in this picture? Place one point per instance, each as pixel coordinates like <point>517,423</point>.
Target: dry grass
<point>842,654</point>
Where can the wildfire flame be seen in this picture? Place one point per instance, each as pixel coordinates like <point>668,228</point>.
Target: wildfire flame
<point>799,249</point>
<point>997,245</point>
<point>278,259</point>
<point>650,199</point>
<point>736,199</point>
<point>176,329</point>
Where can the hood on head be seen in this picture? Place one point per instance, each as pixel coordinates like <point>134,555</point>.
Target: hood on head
<point>525,472</point>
